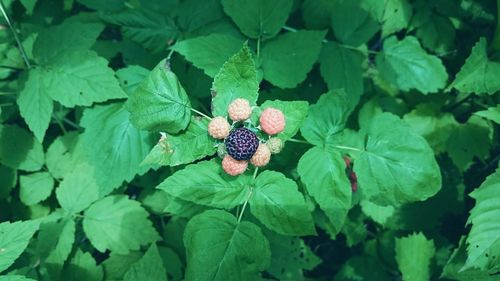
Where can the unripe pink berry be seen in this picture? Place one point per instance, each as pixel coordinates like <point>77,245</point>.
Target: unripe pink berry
<point>234,167</point>
<point>272,121</point>
<point>218,128</point>
<point>261,156</point>
<point>239,110</point>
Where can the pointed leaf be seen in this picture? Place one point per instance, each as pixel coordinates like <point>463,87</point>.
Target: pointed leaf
<point>14,237</point>
<point>149,267</point>
<point>413,255</point>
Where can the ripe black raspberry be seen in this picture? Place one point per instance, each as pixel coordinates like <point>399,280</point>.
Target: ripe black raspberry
<point>241,144</point>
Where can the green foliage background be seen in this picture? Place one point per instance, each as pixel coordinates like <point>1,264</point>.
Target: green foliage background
<point>107,171</point>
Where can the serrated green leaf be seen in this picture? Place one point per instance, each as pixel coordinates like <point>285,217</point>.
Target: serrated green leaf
<point>407,66</point>
<point>62,249</point>
<point>14,237</point>
<point>278,204</point>
<point>160,102</point>
<point>327,117</point>
<point>85,265</point>
<point>118,224</point>
<point>207,184</point>
<point>236,79</point>
<point>105,6</point>
<point>185,147</point>
<point>392,172</point>
<point>483,242</point>
<point>260,18</point>
<point>209,52</point>
<point>149,267</point>
<point>492,113</point>
<point>35,187</point>
<point>341,68</point>
<point>436,32</point>
<point>379,214</point>
<point>351,24</point>
<point>218,248</point>
<point>131,76</point>
<point>117,265</point>
<point>58,158</point>
<point>288,58</point>
<point>19,149</point>
<point>295,113</point>
<point>15,278</point>
<point>413,255</point>
<point>323,173</point>
<point>479,74</point>
<point>394,15</point>
<point>35,105</point>
<point>79,189</point>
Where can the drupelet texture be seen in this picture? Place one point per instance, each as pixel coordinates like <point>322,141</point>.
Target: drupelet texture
<point>241,144</point>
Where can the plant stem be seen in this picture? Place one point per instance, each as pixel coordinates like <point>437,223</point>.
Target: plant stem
<point>170,54</point>
<point>347,148</point>
<point>201,113</point>
<point>255,172</point>
<point>298,141</point>
<point>19,44</point>
<point>6,104</point>
<point>245,204</point>
<point>258,47</point>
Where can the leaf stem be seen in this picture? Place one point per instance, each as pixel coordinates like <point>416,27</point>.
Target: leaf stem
<point>255,172</point>
<point>18,41</point>
<point>298,141</point>
<point>258,47</point>
<point>6,104</point>
<point>347,148</point>
<point>245,203</point>
<point>201,113</point>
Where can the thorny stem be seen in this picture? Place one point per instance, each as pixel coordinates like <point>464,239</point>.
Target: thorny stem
<point>19,44</point>
<point>201,113</point>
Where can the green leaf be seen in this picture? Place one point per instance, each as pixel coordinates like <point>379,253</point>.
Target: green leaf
<point>117,265</point>
<point>288,58</point>
<point>219,248</point>
<point>209,52</point>
<point>483,242</point>
<point>380,214</point>
<point>190,145</point>
<point>85,265</point>
<point>351,24</point>
<point>150,29</point>
<point>19,149</point>
<point>279,205</point>
<point>341,68</point>
<point>78,190</point>
<point>407,66</point>
<point>118,224</point>
<point>8,179</point>
<point>394,15</point>
<point>323,173</point>
<point>207,184</point>
<point>295,113</point>
<point>61,249</point>
<point>122,147</point>
<point>359,268</point>
<point>236,79</point>
<point>59,158</point>
<point>149,267</point>
<point>317,13</point>
<point>327,117</point>
<point>479,74</point>
<point>160,102</point>
<point>66,37</point>
<point>35,105</point>
<point>131,77</point>
<point>394,172</point>
<point>80,78</point>
<point>105,6</point>
<point>258,18</point>
<point>14,237</point>
<point>435,31</point>
<point>413,255</point>
<point>35,187</point>
<point>492,113</point>
<point>15,278</point>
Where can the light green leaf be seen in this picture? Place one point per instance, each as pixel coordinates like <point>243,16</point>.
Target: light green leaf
<point>122,147</point>
<point>35,105</point>
<point>341,68</point>
<point>118,224</point>
<point>19,149</point>
<point>149,267</point>
<point>327,117</point>
<point>413,255</point>
<point>323,173</point>
<point>394,15</point>
<point>478,75</point>
<point>207,184</point>
<point>380,214</point>
<point>35,187</point>
<point>436,32</point>
<point>80,78</point>
<point>407,66</point>
<point>258,18</point>
<point>61,250</point>
<point>219,248</point>
<point>394,172</point>
<point>288,58</point>
<point>14,237</point>
<point>185,147</point>
<point>131,76</point>
<point>209,52</point>
<point>483,242</point>
<point>279,205</point>
<point>63,38</point>
<point>492,113</point>
<point>236,79</point>
<point>117,265</point>
<point>351,24</point>
<point>58,158</point>
<point>160,102</point>
<point>15,278</point>
<point>295,113</point>
<point>79,189</point>
<point>85,265</point>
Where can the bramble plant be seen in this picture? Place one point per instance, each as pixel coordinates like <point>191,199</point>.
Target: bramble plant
<point>249,140</point>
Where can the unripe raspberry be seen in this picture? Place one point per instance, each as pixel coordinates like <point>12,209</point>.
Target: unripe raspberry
<point>239,110</point>
<point>234,167</point>
<point>272,121</point>
<point>218,127</point>
<point>275,145</point>
<point>261,156</point>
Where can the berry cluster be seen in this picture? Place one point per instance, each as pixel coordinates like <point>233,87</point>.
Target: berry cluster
<point>240,140</point>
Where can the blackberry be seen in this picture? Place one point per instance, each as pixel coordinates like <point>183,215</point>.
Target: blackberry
<point>241,144</point>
